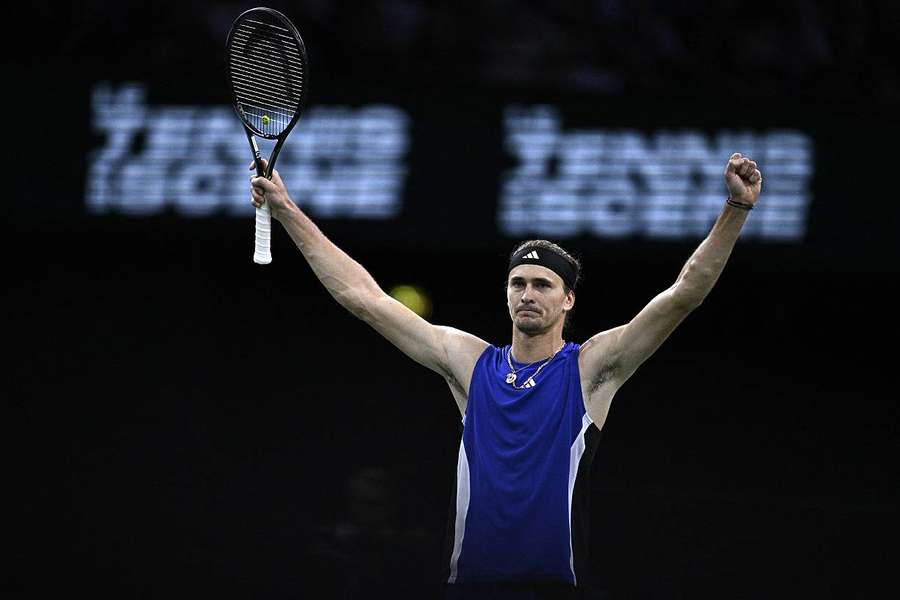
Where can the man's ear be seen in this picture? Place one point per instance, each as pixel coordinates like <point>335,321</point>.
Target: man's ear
<point>570,299</point>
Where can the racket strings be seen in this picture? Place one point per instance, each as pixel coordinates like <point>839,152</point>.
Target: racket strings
<point>273,39</point>
<point>266,65</point>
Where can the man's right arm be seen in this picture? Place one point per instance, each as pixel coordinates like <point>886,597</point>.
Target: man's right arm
<point>445,350</point>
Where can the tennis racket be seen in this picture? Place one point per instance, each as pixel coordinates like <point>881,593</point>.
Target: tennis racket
<point>266,64</point>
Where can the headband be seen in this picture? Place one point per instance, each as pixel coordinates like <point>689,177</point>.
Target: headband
<point>545,257</point>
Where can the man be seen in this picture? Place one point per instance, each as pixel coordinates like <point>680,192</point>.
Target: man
<point>532,411</point>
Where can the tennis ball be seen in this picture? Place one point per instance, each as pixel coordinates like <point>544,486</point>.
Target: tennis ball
<point>265,119</point>
<point>414,298</point>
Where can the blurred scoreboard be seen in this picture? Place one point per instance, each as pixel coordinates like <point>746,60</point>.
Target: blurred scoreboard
<point>345,162</point>
<point>359,162</point>
<point>668,184</point>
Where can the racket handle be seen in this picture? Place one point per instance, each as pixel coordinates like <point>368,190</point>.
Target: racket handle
<point>262,255</point>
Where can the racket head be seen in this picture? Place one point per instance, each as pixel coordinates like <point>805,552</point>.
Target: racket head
<point>266,67</point>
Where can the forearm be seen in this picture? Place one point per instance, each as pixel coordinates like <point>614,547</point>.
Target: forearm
<point>703,268</point>
<point>344,278</point>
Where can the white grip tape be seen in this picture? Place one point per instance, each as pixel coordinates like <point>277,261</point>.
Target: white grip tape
<point>262,254</point>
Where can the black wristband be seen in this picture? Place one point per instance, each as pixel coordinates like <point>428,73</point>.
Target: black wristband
<point>741,205</point>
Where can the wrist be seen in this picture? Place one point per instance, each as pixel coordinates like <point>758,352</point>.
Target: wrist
<point>740,204</point>
<point>286,212</point>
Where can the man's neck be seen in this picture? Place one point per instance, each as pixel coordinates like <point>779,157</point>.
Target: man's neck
<point>532,348</point>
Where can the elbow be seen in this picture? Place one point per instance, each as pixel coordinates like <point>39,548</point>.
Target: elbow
<point>688,300</point>
<point>693,286</point>
<point>687,296</point>
<point>357,302</point>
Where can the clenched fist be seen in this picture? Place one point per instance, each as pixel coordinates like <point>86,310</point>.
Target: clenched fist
<point>743,179</point>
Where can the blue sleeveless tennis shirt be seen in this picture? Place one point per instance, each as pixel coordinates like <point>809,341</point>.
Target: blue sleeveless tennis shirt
<point>521,505</point>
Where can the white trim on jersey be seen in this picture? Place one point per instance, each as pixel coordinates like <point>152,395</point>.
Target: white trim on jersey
<point>462,507</point>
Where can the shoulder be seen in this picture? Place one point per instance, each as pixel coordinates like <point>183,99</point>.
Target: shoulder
<point>600,343</point>
<point>458,342</point>
<point>461,353</point>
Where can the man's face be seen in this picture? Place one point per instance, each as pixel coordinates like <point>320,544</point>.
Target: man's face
<point>536,298</point>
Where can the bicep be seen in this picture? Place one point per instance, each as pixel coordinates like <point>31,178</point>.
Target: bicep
<point>617,353</point>
<point>444,350</point>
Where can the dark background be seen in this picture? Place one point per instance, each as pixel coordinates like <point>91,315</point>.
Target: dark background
<point>184,422</point>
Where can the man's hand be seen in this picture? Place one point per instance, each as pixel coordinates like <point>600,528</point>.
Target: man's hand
<point>272,192</point>
<point>743,179</point>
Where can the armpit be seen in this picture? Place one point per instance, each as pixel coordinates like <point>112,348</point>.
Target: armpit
<point>459,395</point>
<point>600,378</point>
<point>597,362</point>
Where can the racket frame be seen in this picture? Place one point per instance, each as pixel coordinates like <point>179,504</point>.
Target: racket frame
<point>262,253</point>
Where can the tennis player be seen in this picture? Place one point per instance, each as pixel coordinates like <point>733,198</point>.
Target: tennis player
<point>532,410</point>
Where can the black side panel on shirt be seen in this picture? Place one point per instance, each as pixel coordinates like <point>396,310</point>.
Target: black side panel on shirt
<point>581,506</point>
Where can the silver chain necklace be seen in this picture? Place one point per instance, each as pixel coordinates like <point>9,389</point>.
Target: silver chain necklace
<point>529,383</point>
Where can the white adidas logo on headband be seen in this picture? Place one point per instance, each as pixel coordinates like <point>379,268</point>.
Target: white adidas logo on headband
<point>532,254</point>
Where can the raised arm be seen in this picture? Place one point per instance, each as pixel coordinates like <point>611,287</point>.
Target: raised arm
<point>611,357</point>
<point>445,350</point>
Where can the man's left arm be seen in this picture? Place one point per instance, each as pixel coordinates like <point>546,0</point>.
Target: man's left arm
<point>614,355</point>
